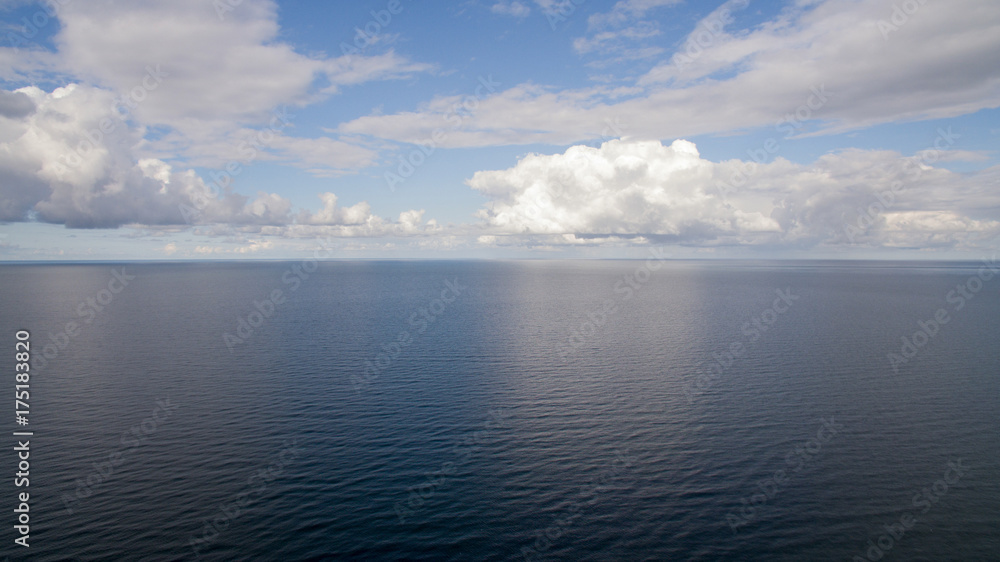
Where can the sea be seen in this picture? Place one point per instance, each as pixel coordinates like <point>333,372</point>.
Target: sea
<point>502,410</point>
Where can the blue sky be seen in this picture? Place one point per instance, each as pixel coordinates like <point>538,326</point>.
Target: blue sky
<point>550,128</point>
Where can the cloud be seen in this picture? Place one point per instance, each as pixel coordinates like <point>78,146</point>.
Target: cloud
<point>617,36</point>
<point>94,153</point>
<point>320,156</point>
<point>515,9</point>
<point>409,224</point>
<point>249,247</point>
<point>14,105</point>
<point>73,161</point>
<point>139,108</point>
<point>620,41</point>
<point>645,191</point>
<point>625,11</point>
<point>230,68</point>
<point>616,31</point>
<point>224,69</point>
<point>930,68</point>
<point>938,65</point>
<point>206,93</point>
<point>333,215</point>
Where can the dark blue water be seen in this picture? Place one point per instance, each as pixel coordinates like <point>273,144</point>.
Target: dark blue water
<point>566,410</point>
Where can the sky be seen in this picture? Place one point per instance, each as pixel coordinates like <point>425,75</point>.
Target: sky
<point>496,129</point>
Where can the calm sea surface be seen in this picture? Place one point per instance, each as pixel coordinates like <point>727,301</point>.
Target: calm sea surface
<point>563,410</point>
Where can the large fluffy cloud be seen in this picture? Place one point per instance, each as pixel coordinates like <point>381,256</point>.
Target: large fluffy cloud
<point>71,161</point>
<point>643,189</point>
<point>67,157</point>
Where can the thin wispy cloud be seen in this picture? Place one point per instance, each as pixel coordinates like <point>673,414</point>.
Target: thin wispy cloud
<point>511,8</point>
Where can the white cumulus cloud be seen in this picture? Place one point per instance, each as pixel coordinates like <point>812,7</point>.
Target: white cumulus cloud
<point>647,191</point>
<point>67,157</point>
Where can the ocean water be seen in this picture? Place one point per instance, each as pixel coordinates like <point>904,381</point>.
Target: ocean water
<point>528,410</point>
